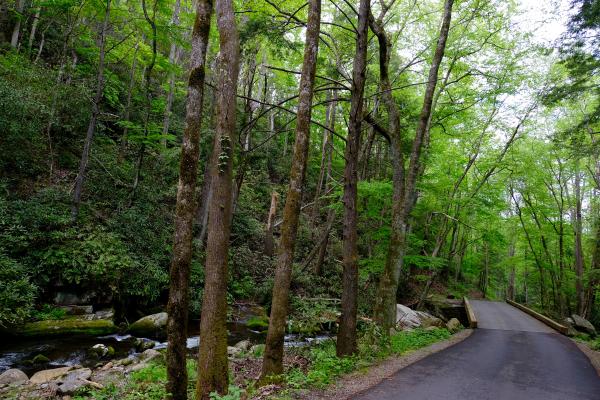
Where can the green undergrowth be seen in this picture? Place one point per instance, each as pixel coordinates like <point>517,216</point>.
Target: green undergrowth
<point>325,366</point>
<point>146,384</point>
<point>592,342</point>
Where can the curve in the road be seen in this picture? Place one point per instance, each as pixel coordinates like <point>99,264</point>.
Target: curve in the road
<point>512,356</point>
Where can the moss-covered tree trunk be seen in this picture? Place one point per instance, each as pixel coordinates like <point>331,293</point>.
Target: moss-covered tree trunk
<point>177,307</point>
<point>273,357</point>
<point>346,339</point>
<point>212,358</point>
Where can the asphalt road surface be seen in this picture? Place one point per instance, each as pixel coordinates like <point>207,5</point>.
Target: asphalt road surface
<point>512,356</point>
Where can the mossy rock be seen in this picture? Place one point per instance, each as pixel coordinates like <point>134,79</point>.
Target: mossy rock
<point>67,327</point>
<point>40,359</point>
<point>258,323</point>
<point>154,325</point>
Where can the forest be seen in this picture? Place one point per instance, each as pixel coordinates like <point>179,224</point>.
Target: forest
<point>322,161</point>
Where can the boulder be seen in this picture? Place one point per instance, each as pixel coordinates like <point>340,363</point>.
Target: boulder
<point>151,325</point>
<point>243,345</point>
<point>81,373</point>
<point>77,325</point>
<point>453,325</point>
<point>48,375</point>
<point>407,318</point>
<point>70,299</point>
<point>13,376</point>
<point>104,314</point>
<point>101,350</point>
<point>233,351</point>
<point>74,309</point>
<point>40,359</point>
<point>583,325</point>
<point>142,344</point>
<point>150,355</point>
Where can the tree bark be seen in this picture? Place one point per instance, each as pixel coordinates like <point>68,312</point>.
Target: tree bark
<point>212,358</point>
<point>89,138</point>
<point>346,339</point>
<point>34,25</point>
<point>173,58</point>
<point>14,41</point>
<point>388,284</point>
<point>269,240</point>
<point>273,357</point>
<point>127,111</point>
<point>177,307</point>
<point>578,231</point>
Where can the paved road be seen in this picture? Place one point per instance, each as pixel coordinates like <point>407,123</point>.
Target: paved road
<point>511,357</point>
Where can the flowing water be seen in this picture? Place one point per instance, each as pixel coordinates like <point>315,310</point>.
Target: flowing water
<point>74,350</point>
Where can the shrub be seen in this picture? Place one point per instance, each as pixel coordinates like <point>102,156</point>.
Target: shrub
<point>17,293</point>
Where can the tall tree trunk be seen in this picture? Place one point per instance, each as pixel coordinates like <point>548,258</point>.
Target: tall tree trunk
<point>34,25</point>
<point>173,59</point>
<point>212,358</point>
<point>14,41</point>
<point>177,307</point>
<point>269,240</point>
<point>346,338</point>
<point>578,231</point>
<point>388,284</point>
<point>127,111</point>
<point>89,138</point>
<point>273,357</point>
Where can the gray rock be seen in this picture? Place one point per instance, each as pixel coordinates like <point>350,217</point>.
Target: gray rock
<point>583,325</point>
<point>233,351</point>
<point>150,325</point>
<point>48,375</point>
<point>453,325</point>
<point>407,318</point>
<point>150,355</point>
<point>243,345</point>
<point>104,314</point>
<point>74,309</point>
<point>144,344</point>
<point>13,376</point>
<point>71,386</point>
<point>109,376</point>
<point>101,350</point>
<point>69,299</point>
<point>257,350</point>
<point>82,373</point>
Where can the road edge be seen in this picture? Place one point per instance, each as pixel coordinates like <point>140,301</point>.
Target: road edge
<point>592,355</point>
<point>542,318</point>
<point>357,382</point>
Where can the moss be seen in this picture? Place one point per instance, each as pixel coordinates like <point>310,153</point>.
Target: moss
<point>67,326</point>
<point>258,323</point>
<point>40,359</point>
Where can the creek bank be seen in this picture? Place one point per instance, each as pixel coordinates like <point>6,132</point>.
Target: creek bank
<point>56,382</point>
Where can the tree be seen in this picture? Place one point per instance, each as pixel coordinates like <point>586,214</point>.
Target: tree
<point>388,285</point>
<point>89,138</point>
<point>273,357</point>
<point>177,307</point>
<point>212,358</point>
<point>346,340</point>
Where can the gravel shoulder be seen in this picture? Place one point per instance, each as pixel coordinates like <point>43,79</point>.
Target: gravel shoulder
<point>359,381</point>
